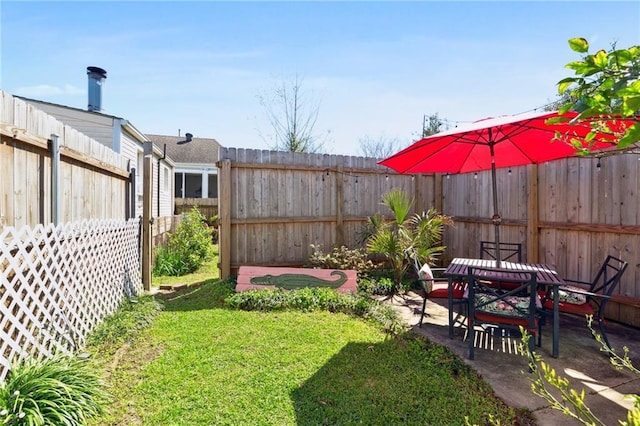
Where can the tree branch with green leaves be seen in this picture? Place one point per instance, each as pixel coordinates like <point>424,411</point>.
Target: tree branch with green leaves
<point>604,91</point>
<point>556,390</point>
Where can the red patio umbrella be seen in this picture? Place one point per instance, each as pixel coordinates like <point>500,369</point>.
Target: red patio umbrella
<point>505,141</point>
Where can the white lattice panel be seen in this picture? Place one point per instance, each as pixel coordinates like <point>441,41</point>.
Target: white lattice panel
<point>59,282</point>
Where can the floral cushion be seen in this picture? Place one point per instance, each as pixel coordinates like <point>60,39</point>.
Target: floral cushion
<point>570,297</point>
<point>426,278</point>
<point>504,306</point>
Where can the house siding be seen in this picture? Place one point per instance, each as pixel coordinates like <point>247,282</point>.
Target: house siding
<point>119,135</point>
<point>97,126</point>
<point>131,150</point>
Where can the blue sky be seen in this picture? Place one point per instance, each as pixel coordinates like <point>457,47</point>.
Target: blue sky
<point>375,68</point>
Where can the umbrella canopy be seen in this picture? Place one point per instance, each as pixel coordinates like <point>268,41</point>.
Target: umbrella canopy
<point>491,143</point>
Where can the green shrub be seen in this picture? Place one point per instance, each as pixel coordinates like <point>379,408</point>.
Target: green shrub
<point>378,286</point>
<point>61,390</point>
<point>187,249</point>
<point>169,263</point>
<point>341,258</point>
<point>311,299</point>
<point>213,224</point>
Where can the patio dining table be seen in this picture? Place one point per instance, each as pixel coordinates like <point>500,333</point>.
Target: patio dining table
<point>545,276</point>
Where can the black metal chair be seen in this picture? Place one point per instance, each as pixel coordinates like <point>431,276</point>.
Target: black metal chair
<point>433,287</point>
<point>504,309</point>
<point>509,252</point>
<point>589,298</point>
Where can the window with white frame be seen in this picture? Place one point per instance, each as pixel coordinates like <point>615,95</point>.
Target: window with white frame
<point>195,185</point>
<point>165,172</point>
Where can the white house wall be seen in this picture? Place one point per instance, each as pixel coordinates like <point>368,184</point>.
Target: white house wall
<point>104,128</point>
<point>97,126</point>
<point>166,189</point>
<point>134,152</point>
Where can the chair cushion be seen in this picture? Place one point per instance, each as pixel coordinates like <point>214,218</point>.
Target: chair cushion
<point>570,308</point>
<point>566,295</point>
<point>440,290</point>
<point>426,277</point>
<point>425,272</point>
<point>502,307</point>
<point>505,285</point>
<point>501,319</point>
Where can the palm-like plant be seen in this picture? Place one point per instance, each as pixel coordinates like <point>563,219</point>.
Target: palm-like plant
<point>406,235</point>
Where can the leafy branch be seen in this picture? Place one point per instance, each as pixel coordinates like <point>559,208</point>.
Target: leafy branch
<point>605,92</point>
<point>547,383</point>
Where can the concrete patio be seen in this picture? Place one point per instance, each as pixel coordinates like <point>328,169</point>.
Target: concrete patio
<point>580,361</point>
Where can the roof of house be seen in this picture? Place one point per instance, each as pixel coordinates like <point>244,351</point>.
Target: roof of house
<point>198,150</point>
<point>87,117</point>
<point>102,113</point>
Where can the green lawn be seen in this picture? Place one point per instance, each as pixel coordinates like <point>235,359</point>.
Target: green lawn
<point>200,363</point>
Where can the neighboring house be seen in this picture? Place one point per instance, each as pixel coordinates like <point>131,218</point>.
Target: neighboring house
<point>196,173</point>
<point>122,137</point>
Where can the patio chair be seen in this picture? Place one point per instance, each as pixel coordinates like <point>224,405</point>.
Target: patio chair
<point>509,252</point>
<point>503,309</point>
<point>437,288</point>
<point>588,298</point>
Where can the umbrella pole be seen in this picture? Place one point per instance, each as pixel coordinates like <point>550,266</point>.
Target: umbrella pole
<point>496,216</point>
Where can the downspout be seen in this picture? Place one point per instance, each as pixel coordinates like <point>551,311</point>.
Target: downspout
<point>127,194</point>
<point>132,192</point>
<point>164,155</point>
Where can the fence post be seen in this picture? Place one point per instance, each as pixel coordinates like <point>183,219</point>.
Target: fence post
<point>224,217</point>
<point>533,219</point>
<point>147,218</point>
<point>55,179</point>
<point>340,205</point>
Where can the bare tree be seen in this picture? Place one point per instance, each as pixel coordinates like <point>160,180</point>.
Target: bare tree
<point>432,124</point>
<point>380,147</point>
<point>560,100</point>
<point>292,114</point>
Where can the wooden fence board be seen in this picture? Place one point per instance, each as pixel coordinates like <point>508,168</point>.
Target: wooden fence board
<point>583,192</point>
<point>627,170</point>
<point>89,172</point>
<point>6,202</point>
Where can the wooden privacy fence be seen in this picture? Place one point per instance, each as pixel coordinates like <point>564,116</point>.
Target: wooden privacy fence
<point>274,205</point>
<point>207,206</point>
<point>59,282</point>
<point>53,173</point>
<point>568,213</point>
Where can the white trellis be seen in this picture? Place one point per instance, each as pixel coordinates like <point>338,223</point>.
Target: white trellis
<point>59,282</point>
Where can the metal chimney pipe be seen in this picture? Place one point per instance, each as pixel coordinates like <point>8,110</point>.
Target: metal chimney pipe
<point>96,78</point>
